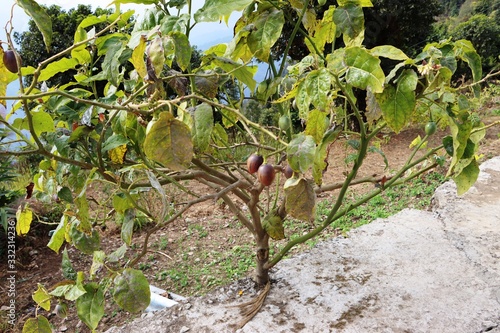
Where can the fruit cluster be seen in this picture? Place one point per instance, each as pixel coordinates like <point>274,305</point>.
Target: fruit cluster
<point>265,172</point>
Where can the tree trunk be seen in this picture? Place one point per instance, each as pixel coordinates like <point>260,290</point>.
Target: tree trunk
<point>261,272</point>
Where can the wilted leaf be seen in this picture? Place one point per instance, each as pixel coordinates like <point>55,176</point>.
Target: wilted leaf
<point>168,142</point>
<point>90,306</point>
<point>300,199</point>
<point>131,290</point>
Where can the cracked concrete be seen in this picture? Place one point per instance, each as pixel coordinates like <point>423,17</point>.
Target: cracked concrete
<point>417,271</point>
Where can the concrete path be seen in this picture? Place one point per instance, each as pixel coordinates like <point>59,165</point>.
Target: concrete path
<point>417,271</point>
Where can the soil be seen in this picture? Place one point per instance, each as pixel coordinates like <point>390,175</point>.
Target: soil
<point>209,226</point>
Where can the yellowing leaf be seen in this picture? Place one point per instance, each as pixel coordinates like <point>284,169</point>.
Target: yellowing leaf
<point>300,199</point>
<point>24,216</point>
<point>273,225</point>
<point>138,58</point>
<point>168,142</point>
<point>117,155</point>
<point>40,324</point>
<point>42,297</point>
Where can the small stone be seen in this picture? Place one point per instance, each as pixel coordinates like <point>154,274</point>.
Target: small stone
<point>184,329</point>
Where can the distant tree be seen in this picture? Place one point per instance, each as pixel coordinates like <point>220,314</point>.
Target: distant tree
<point>64,25</point>
<point>484,33</point>
<point>404,24</point>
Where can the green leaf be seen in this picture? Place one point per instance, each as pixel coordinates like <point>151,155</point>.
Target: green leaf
<point>77,290</point>
<point>388,51</point>
<point>40,324</point>
<point>300,199</point>
<point>300,152</point>
<point>111,65</point>
<point>87,243</point>
<point>118,254</point>
<point>203,126</point>
<point>131,290</point>
<point>168,142</point>
<point>41,19</point>
<point>218,10</point>
<point>349,20</point>
<point>182,49</point>
<point>121,203</point>
<point>90,306</point>
<point>67,268</point>
<point>318,84</point>
<point>24,217</point>
<point>467,177</point>
<point>460,129</point>
<point>56,67</point>
<point>303,100</point>
<point>42,122</point>
<point>364,70</point>
<point>398,103</point>
<point>466,51</point>
<point>267,25</point>
<point>57,239</point>
<point>114,141</point>
<point>128,226</point>
<point>65,194</point>
<point>42,297</point>
<point>243,73</point>
<point>175,23</point>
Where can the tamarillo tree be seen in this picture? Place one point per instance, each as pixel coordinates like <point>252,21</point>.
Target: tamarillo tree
<point>139,141</point>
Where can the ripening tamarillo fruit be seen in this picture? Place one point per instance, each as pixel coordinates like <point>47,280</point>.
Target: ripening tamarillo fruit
<point>254,161</point>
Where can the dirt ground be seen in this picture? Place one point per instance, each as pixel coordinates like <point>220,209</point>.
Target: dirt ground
<point>220,233</point>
